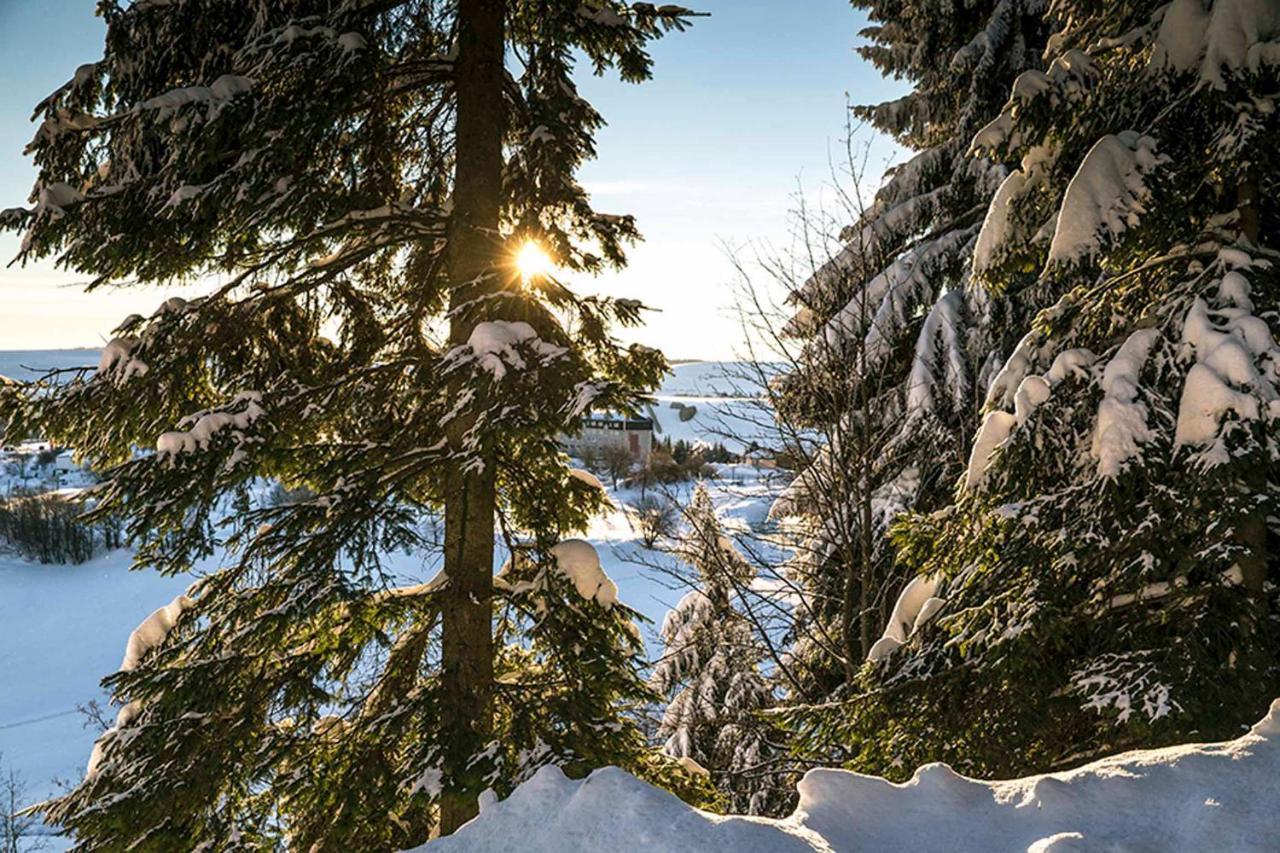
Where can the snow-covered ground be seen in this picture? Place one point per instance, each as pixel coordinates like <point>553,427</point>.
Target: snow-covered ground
<point>1199,797</point>
<point>63,628</point>
<point>716,379</point>
<point>725,399</point>
<point>742,495</point>
<point>29,468</point>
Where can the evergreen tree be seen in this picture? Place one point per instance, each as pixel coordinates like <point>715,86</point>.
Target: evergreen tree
<point>898,344</point>
<point>357,178</point>
<point>1107,576</point>
<point>710,672</point>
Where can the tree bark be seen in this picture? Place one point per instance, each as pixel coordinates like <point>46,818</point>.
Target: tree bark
<point>1247,204</point>
<point>474,257</point>
<point>1252,531</point>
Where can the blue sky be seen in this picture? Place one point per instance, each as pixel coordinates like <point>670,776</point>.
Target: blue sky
<point>745,107</point>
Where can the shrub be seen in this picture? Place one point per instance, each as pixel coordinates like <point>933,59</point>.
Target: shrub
<point>656,518</point>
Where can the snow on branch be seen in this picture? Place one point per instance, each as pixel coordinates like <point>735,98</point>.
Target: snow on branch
<point>1236,369</point>
<point>1122,417</point>
<point>206,426</point>
<point>916,605</point>
<point>149,635</point>
<point>577,561</point>
<point>500,345</point>
<point>1227,37</point>
<point>1107,195</point>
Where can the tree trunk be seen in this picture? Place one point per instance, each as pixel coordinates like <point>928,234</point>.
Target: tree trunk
<point>867,632</point>
<point>1252,532</point>
<point>848,615</point>
<point>474,259</point>
<point>1247,204</point>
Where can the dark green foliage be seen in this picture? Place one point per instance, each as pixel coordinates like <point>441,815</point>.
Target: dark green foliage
<point>695,456</point>
<point>1109,573</point>
<point>663,469</point>
<point>896,345</point>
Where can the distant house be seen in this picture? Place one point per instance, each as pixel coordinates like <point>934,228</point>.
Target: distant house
<point>65,463</point>
<point>602,432</point>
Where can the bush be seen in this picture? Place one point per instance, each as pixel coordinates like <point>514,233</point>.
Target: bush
<point>656,517</point>
<point>673,462</point>
<point>592,459</point>
<point>48,528</point>
<point>720,454</point>
<point>617,462</point>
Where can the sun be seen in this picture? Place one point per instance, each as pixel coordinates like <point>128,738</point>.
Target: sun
<point>532,261</point>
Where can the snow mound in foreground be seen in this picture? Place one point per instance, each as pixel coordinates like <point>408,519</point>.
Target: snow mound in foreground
<point>1196,797</point>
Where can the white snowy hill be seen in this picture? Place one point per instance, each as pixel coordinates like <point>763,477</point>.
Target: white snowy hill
<point>1198,797</point>
<point>721,402</point>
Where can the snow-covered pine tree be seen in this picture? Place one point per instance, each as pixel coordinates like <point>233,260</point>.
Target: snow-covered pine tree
<point>355,178</point>
<point>898,346</point>
<point>710,673</point>
<point>1107,577</point>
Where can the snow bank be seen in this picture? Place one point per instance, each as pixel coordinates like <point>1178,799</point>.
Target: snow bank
<point>1196,797</point>
<point>611,810</point>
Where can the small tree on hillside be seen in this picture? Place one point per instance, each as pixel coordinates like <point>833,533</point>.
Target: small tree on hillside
<point>18,827</point>
<point>710,672</point>
<point>656,516</point>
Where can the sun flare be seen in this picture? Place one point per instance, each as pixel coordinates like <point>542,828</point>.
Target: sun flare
<point>532,261</point>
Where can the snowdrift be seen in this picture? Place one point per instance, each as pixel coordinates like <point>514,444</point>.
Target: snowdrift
<point>1196,797</point>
